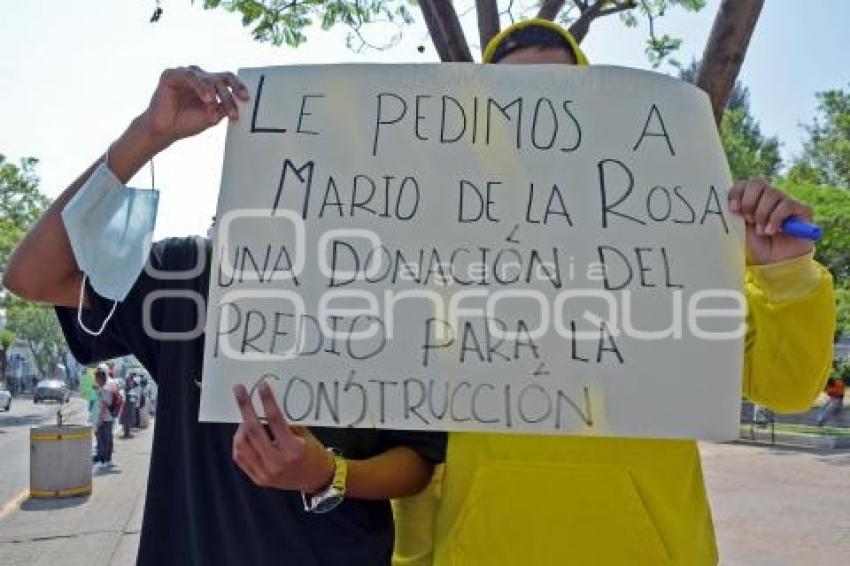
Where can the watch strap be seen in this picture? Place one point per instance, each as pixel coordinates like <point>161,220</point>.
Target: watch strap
<point>330,497</point>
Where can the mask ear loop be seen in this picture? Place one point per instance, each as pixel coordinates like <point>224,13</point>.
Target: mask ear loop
<point>80,312</point>
<point>88,330</point>
<point>106,320</point>
<point>153,176</point>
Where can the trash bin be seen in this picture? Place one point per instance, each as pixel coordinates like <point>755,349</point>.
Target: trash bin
<point>60,460</point>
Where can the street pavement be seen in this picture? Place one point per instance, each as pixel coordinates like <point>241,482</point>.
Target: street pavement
<point>98,530</point>
<point>772,506</point>
<point>779,506</point>
<point>14,439</point>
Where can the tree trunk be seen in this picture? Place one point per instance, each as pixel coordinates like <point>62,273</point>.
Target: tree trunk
<point>581,26</point>
<point>488,21</point>
<point>445,30</point>
<point>721,61</point>
<point>725,50</point>
<point>550,8</point>
<point>39,363</point>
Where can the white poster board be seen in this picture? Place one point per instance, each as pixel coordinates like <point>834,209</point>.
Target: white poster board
<point>540,249</point>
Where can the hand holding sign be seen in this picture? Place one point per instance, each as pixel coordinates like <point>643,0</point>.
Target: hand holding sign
<point>765,209</point>
<point>188,100</point>
<point>288,458</point>
<point>402,247</point>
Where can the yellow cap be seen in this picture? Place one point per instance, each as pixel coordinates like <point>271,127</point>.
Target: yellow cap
<point>494,44</point>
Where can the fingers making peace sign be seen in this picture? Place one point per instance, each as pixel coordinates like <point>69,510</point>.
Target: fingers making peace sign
<point>278,455</point>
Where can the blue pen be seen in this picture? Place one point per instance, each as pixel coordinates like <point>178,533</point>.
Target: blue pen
<point>799,228</point>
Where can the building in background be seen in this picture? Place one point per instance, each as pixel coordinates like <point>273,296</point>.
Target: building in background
<point>22,370</point>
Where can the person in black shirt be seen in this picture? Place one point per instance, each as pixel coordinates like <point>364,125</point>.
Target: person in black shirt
<point>217,493</point>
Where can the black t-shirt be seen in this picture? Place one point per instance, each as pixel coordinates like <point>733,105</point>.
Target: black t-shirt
<point>201,508</point>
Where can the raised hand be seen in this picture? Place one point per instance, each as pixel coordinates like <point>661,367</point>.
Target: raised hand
<point>284,457</point>
<point>764,209</point>
<point>188,100</point>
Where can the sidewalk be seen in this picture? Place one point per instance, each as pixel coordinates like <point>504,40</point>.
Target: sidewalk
<point>779,506</point>
<point>772,507</point>
<point>101,529</point>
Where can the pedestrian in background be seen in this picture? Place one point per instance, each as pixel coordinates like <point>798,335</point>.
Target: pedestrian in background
<point>103,437</point>
<point>127,419</point>
<point>218,493</point>
<point>136,398</point>
<point>144,403</point>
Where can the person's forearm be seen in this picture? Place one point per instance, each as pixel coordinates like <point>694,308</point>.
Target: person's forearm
<point>42,267</point>
<point>788,279</point>
<point>398,472</point>
<point>790,328</point>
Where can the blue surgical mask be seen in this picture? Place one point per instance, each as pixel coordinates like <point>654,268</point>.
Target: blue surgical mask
<point>110,227</point>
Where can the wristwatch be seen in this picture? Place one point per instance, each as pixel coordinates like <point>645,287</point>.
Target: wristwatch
<point>328,499</point>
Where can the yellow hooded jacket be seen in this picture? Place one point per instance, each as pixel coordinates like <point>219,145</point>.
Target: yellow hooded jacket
<point>542,500</point>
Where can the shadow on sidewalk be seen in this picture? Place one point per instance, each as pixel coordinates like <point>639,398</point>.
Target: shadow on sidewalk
<point>53,504</point>
<point>840,459</point>
<point>835,456</point>
<point>115,470</point>
<point>21,420</point>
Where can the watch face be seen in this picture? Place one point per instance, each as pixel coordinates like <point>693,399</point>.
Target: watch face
<point>328,502</point>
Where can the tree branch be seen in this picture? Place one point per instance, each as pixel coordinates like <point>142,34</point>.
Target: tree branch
<point>36,358</point>
<point>488,20</point>
<point>650,18</point>
<point>445,30</point>
<point>588,12</point>
<point>437,38</point>
<point>725,50</point>
<point>550,8</point>
<point>618,8</point>
<point>509,12</point>
<point>582,24</point>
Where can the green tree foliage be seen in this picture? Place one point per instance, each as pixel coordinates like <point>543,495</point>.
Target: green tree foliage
<point>7,338</point>
<point>659,46</point>
<point>21,203</point>
<point>826,161</point>
<point>826,152</point>
<point>842,326</point>
<point>832,210</point>
<point>738,98</point>
<point>284,22</point>
<point>750,153</point>
<point>38,327</point>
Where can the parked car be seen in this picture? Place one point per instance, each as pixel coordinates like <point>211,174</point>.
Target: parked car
<point>5,398</point>
<point>52,389</point>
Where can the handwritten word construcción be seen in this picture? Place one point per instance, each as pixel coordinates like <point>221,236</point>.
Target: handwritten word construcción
<point>422,403</point>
